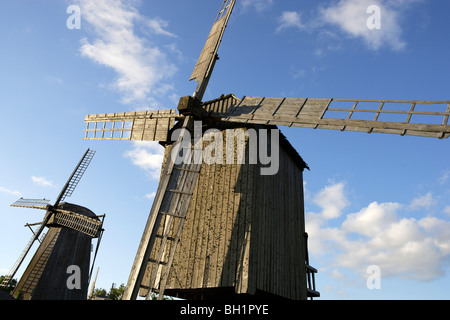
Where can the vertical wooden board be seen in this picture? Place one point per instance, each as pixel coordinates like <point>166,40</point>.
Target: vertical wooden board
<point>198,233</point>
<point>223,272</point>
<point>262,232</point>
<point>218,232</point>
<point>290,194</point>
<point>208,225</point>
<point>288,236</point>
<point>231,256</point>
<point>196,206</point>
<point>232,227</point>
<point>277,240</point>
<point>302,252</point>
<point>239,200</point>
<point>210,236</point>
<point>255,215</point>
<point>202,229</point>
<point>219,228</point>
<point>248,226</point>
<point>189,233</point>
<point>240,220</point>
<point>266,233</point>
<point>290,226</point>
<point>271,241</point>
<point>298,252</point>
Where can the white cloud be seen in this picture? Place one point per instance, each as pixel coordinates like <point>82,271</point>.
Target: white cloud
<point>150,195</point>
<point>11,192</point>
<point>290,19</point>
<point>332,200</point>
<point>379,234</point>
<point>42,181</point>
<point>147,156</point>
<point>351,17</point>
<point>157,26</point>
<point>142,68</point>
<point>445,177</point>
<point>372,220</point>
<point>447,210</point>
<point>258,5</point>
<point>423,202</point>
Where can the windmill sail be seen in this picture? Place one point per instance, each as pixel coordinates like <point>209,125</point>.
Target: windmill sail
<point>403,117</point>
<point>18,262</point>
<point>138,126</point>
<point>31,203</point>
<point>208,56</point>
<point>76,176</point>
<point>24,253</point>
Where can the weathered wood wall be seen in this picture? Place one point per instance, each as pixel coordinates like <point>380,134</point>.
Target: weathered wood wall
<point>243,230</point>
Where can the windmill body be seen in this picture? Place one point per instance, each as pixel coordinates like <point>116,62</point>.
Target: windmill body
<point>244,233</point>
<point>46,276</point>
<point>65,247</point>
<point>226,230</point>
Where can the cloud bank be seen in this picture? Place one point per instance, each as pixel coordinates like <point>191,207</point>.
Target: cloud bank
<point>380,234</point>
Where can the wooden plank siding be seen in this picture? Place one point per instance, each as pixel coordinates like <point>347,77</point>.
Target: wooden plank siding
<point>243,231</point>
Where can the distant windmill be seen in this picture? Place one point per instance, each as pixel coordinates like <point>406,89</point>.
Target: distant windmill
<point>67,243</point>
<point>224,230</point>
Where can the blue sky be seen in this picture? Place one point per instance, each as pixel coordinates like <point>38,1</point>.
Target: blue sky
<point>370,199</point>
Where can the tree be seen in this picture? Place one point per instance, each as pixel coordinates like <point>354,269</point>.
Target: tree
<point>11,286</point>
<point>113,294</point>
<point>99,292</point>
<point>116,293</point>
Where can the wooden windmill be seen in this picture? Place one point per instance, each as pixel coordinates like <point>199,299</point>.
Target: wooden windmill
<point>66,243</point>
<point>226,230</point>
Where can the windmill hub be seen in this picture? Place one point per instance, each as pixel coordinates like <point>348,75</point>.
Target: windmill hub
<point>190,106</point>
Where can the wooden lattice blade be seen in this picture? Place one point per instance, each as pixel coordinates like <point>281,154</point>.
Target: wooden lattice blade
<point>138,126</point>
<point>403,117</point>
<point>31,203</point>
<point>76,176</point>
